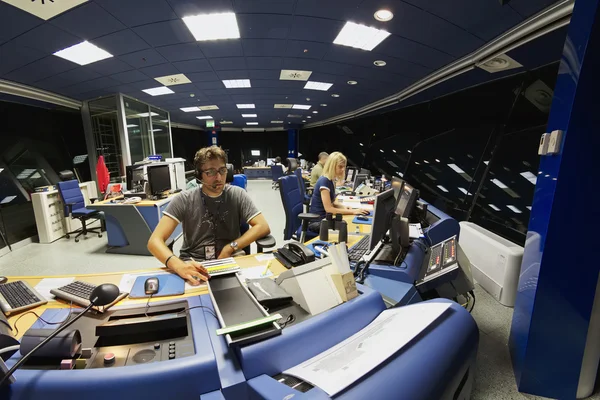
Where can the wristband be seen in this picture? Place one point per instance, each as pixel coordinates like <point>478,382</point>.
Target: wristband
<point>167,260</point>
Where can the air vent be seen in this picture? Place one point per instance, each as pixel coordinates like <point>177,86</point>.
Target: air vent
<point>499,63</point>
<point>171,80</point>
<point>45,9</point>
<point>294,75</point>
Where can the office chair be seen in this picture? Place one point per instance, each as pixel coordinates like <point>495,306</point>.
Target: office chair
<point>303,190</point>
<point>296,222</point>
<point>240,180</point>
<point>72,197</point>
<point>276,173</point>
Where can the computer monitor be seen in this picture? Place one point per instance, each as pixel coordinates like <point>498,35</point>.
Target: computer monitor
<point>397,186</point>
<point>365,171</point>
<point>270,161</point>
<point>359,179</point>
<point>350,173</point>
<point>406,201</point>
<point>384,206</point>
<point>159,178</point>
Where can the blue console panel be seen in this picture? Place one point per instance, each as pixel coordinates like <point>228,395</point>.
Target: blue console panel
<point>441,225</point>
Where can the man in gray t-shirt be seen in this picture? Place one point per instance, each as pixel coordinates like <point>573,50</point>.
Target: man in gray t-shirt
<point>211,218</point>
<point>209,221</point>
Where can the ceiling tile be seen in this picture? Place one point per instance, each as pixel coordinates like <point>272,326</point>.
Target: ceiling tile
<point>264,26</point>
<point>47,38</point>
<point>228,63</point>
<point>296,48</point>
<point>263,74</point>
<point>342,10</point>
<point>185,8</point>
<point>409,50</point>
<point>264,6</point>
<point>13,56</point>
<point>71,77</point>
<point>263,47</point>
<point>122,42</point>
<point>233,75</point>
<point>211,92</point>
<point>315,29</point>
<point>40,69</point>
<point>14,22</point>
<point>88,21</point>
<point>109,66</point>
<point>193,66</point>
<point>159,70</point>
<point>144,58</point>
<point>202,76</point>
<point>165,33</point>
<point>139,12</point>
<point>224,48</point>
<point>211,85</point>
<point>181,52</point>
<point>129,76</point>
<point>529,7</point>
<point>264,62</point>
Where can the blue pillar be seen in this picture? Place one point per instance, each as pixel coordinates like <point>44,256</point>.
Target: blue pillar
<point>213,136</point>
<point>292,143</point>
<point>560,269</point>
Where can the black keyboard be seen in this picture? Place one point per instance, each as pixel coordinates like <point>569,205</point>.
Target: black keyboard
<point>359,249</point>
<point>79,293</point>
<point>289,255</point>
<point>19,296</point>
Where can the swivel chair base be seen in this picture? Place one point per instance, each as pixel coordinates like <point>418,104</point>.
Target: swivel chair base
<point>84,230</point>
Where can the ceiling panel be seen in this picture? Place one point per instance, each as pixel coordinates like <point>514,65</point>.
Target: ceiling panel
<point>13,56</point>
<point>264,63</point>
<point>121,42</point>
<point>228,63</point>
<point>165,33</point>
<point>264,26</point>
<point>144,58</point>
<point>156,71</point>
<point>264,6</point>
<point>193,66</point>
<point>225,48</point>
<point>181,52</point>
<point>14,22</point>
<point>88,21</point>
<point>130,76</point>
<point>138,12</point>
<point>46,38</point>
<point>110,66</point>
<point>40,69</point>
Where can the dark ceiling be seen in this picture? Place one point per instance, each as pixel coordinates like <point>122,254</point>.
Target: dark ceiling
<point>149,39</point>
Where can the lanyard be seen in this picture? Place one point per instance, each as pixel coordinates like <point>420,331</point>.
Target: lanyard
<point>212,216</point>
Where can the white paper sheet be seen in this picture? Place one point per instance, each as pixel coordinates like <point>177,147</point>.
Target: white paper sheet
<point>47,284</point>
<point>415,231</point>
<point>337,368</point>
<point>264,257</point>
<point>255,272</point>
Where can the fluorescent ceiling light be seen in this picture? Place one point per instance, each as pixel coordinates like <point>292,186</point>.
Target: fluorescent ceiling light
<point>528,207</point>
<point>190,109</point>
<point>158,91</point>
<point>315,112</point>
<point>83,53</point>
<point>360,36</point>
<point>245,106</point>
<point>499,184</point>
<point>303,120</point>
<point>426,162</point>
<point>486,162</point>
<point>249,115</point>
<point>156,130</point>
<point>437,160</point>
<point>335,95</point>
<point>529,176</point>
<point>282,105</point>
<point>418,163</point>
<point>409,151</point>
<point>294,115</point>
<point>26,173</point>
<point>323,105</point>
<point>456,168</point>
<point>443,189</point>
<point>493,207</point>
<point>236,83</point>
<point>379,63</point>
<point>361,144</point>
<point>211,107</point>
<point>255,152</point>
<point>150,114</point>
<point>226,122</point>
<point>205,117</point>
<point>352,83</point>
<point>514,209</point>
<point>131,126</point>
<point>1,169</point>
<point>381,150</point>
<point>213,26</point>
<point>324,86</point>
<point>394,151</point>
<point>400,174</point>
<point>251,123</point>
<point>301,107</point>
<point>170,80</point>
<point>277,122</point>
<point>464,191</point>
<point>308,116</point>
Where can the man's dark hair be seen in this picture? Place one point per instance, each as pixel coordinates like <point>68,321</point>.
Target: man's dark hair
<point>278,159</point>
<point>206,154</point>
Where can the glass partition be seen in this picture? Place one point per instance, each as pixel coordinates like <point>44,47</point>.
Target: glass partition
<point>161,132</point>
<point>105,128</point>
<point>138,124</point>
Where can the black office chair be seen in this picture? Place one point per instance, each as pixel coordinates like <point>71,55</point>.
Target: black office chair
<point>296,222</point>
<point>292,165</point>
<point>276,173</point>
<point>306,195</point>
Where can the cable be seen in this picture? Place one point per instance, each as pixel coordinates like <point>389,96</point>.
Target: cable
<point>210,311</point>
<point>10,348</point>
<point>148,305</point>
<point>290,319</point>
<point>472,295</point>
<point>42,319</point>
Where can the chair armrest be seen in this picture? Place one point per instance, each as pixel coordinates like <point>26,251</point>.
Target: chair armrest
<point>267,241</point>
<point>93,199</point>
<point>70,207</point>
<point>308,216</point>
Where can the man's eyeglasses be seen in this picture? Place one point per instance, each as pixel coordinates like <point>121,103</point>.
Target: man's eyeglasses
<point>212,172</point>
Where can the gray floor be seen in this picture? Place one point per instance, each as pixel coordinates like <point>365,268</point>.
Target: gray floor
<point>494,379</point>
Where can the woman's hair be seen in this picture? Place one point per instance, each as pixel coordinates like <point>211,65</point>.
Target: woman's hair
<point>336,158</point>
<point>208,154</point>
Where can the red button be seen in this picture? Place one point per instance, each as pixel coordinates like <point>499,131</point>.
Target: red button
<point>109,358</point>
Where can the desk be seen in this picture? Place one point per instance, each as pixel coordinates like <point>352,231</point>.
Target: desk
<point>258,172</point>
<point>129,226</point>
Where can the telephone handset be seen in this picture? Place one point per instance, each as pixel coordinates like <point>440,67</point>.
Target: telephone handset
<point>293,254</point>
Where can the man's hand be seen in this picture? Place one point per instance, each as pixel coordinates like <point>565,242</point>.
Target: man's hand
<point>226,252</point>
<point>192,271</point>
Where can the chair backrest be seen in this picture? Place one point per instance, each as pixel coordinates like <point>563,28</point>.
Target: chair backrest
<point>240,180</point>
<point>301,183</point>
<point>229,177</point>
<point>293,204</point>
<point>71,193</point>
<point>292,165</point>
<point>276,172</point>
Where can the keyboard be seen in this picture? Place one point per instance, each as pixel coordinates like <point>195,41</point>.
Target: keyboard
<point>359,249</point>
<point>79,293</point>
<point>367,200</point>
<point>289,255</point>
<point>18,296</point>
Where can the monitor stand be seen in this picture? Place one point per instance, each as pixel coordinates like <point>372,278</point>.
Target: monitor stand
<point>386,255</point>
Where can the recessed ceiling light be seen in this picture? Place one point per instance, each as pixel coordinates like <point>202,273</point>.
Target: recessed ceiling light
<point>456,168</point>
<point>379,63</point>
<point>394,151</point>
<point>192,95</point>
<point>493,207</point>
<point>142,115</point>
<point>323,105</point>
<point>249,115</point>
<point>335,95</point>
<point>308,116</point>
<point>443,189</point>
<point>352,82</point>
<point>303,120</point>
<point>437,160</point>
<point>131,126</point>
<point>315,112</point>
<point>83,53</point>
<point>156,130</point>
<point>226,122</point>
<point>211,107</point>
<point>529,176</point>
<point>170,80</point>
<point>361,144</point>
<point>381,150</point>
<point>383,15</point>
<point>499,183</point>
<point>245,106</point>
<point>426,162</point>
<point>251,123</point>
<point>308,99</point>
<point>464,191</point>
<point>514,209</point>
<point>158,91</point>
<point>360,36</point>
<point>301,107</point>
<point>499,63</point>
<point>294,75</point>
<point>324,86</point>
<point>277,122</point>
<point>236,83</point>
<point>282,105</point>
<point>529,208</point>
<point>205,117</point>
<point>190,109</point>
<point>213,26</point>
<point>409,151</point>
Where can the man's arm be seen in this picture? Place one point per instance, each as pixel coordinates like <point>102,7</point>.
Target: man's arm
<point>259,228</point>
<point>158,248</point>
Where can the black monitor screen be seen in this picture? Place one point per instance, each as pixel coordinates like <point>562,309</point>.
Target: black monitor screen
<point>384,205</point>
<point>159,178</point>
<point>137,175</point>
<point>406,201</point>
<point>358,180</point>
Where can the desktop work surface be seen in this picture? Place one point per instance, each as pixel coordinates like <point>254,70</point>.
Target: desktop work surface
<point>436,364</point>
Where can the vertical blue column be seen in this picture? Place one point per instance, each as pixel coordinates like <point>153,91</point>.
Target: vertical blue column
<point>292,143</point>
<point>213,136</point>
<point>549,340</point>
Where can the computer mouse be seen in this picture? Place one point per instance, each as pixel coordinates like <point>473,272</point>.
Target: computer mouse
<point>151,285</point>
<point>362,218</point>
<point>3,279</point>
